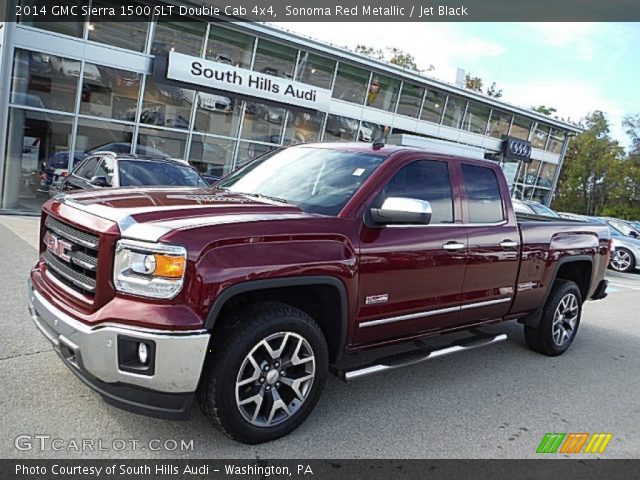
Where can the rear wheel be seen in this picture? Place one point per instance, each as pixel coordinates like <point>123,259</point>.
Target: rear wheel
<point>559,322</point>
<point>265,373</point>
<point>622,260</point>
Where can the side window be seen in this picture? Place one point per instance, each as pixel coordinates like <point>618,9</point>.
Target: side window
<point>425,180</point>
<point>105,169</point>
<point>483,194</point>
<point>86,169</point>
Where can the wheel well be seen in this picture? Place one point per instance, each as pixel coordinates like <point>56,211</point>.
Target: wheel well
<point>323,303</point>
<point>578,272</point>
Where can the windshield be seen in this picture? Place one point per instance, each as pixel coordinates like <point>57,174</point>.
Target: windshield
<point>542,210</point>
<point>317,180</point>
<point>145,173</point>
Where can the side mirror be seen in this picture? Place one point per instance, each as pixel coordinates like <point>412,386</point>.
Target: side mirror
<point>633,234</point>
<point>400,210</point>
<point>100,182</point>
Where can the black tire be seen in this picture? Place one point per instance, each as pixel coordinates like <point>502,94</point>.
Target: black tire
<point>630,267</point>
<point>230,348</point>
<point>544,338</point>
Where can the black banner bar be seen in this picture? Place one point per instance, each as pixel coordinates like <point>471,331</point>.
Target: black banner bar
<point>326,10</point>
<point>318,469</point>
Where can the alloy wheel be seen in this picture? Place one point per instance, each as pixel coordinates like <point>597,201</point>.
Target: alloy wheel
<point>275,379</point>
<point>621,260</point>
<point>565,319</point>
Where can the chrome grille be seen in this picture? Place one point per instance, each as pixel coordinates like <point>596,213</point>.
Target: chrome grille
<point>71,255</point>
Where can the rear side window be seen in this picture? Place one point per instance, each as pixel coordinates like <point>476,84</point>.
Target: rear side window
<point>425,180</point>
<point>483,194</point>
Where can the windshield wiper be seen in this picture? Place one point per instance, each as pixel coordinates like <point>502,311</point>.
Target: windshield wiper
<point>257,195</point>
<point>268,197</point>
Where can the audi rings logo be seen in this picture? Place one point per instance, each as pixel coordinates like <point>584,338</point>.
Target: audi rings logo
<point>517,149</point>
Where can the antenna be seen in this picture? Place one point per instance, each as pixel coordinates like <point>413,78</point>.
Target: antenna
<point>378,143</point>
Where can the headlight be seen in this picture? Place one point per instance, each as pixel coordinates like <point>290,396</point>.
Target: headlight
<point>149,269</point>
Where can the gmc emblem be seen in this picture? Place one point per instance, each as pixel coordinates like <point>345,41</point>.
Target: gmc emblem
<point>57,246</point>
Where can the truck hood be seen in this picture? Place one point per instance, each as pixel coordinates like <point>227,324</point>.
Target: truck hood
<point>148,214</point>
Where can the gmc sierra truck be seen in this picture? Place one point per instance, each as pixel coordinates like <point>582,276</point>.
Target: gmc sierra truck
<point>245,295</point>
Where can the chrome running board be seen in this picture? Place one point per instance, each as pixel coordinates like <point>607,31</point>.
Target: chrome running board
<point>417,356</point>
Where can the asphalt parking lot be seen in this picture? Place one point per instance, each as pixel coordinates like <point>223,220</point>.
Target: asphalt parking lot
<point>495,402</point>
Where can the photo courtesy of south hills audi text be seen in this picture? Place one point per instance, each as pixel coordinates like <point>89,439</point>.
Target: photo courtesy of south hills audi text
<point>250,217</point>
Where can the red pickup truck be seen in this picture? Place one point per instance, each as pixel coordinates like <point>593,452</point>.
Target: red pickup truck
<point>245,295</point>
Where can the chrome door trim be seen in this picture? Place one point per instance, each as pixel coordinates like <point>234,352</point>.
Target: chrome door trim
<point>430,313</point>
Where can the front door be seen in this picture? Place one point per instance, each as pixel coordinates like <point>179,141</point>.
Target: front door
<point>411,275</point>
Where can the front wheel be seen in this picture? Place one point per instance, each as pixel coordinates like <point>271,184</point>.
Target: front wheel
<point>560,320</point>
<point>265,373</point>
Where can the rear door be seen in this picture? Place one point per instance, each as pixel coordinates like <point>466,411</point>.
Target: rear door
<point>411,275</point>
<point>493,244</point>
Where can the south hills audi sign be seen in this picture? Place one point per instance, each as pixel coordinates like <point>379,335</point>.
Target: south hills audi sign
<point>221,76</point>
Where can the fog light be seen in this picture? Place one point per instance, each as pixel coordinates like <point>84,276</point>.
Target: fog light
<point>143,353</point>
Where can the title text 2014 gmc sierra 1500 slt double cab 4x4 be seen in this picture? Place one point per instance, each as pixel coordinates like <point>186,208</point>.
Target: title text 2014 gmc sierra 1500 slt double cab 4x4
<point>245,295</point>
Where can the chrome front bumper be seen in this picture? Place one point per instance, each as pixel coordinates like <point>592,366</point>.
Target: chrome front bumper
<point>93,351</point>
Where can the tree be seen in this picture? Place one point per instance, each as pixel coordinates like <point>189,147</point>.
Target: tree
<point>473,83</point>
<point>493,91</point>
<point>593,175</point>
<point>543,109</point>
<point>371,52</point>
<point>405,60</point>
<point>392,55</point>
<point>476,83</point>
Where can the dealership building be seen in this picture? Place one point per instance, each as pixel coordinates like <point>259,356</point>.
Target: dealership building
<point>218,93</point>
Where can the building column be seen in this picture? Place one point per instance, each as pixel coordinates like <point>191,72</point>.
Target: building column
<point>556,176</point>
<point>6,59</point>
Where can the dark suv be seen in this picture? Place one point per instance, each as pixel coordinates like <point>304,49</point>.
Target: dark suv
<point>109,169</point>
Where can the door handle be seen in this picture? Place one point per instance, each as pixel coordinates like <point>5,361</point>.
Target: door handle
<point>508,244</point>
<point>452,246</point>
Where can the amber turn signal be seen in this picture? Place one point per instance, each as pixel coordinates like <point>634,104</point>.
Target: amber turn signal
<point>171,266</point>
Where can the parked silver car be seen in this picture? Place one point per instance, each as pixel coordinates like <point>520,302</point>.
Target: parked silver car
<point>626,248</point>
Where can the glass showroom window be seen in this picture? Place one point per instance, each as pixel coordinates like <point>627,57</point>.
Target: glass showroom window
<point>95,135</point>
<point>368,132</point>
<point>499,124</point>
<point>262,123</point>
<point>351,84</point>
<point>383,92</point>
<point>211,156</point>
<point>248,151</point>
<point>218,114</point>
<point>275,59</point>
<point>547,172</point>
<point>340,129</point>
<point>540,136</point>
<point>154,141</point>
<point>529,173</point>
<point>109,92</point>
<point>303,126</point>
<point>521,127</point>
<point>454,112</point>
<point>476,118</point>
<point>556,139</point>
<point>510,170</point>
<point>37,145</point>
<point>230,47</point>
<point>315,70</point>
<point>433,105</point>
<point>179,36</point>
<point>44,81</point>
<point>166,105</point>
<point>540,195</point>
<point>410,100</point>
<point>73,29</point>
<point>131,34</point>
